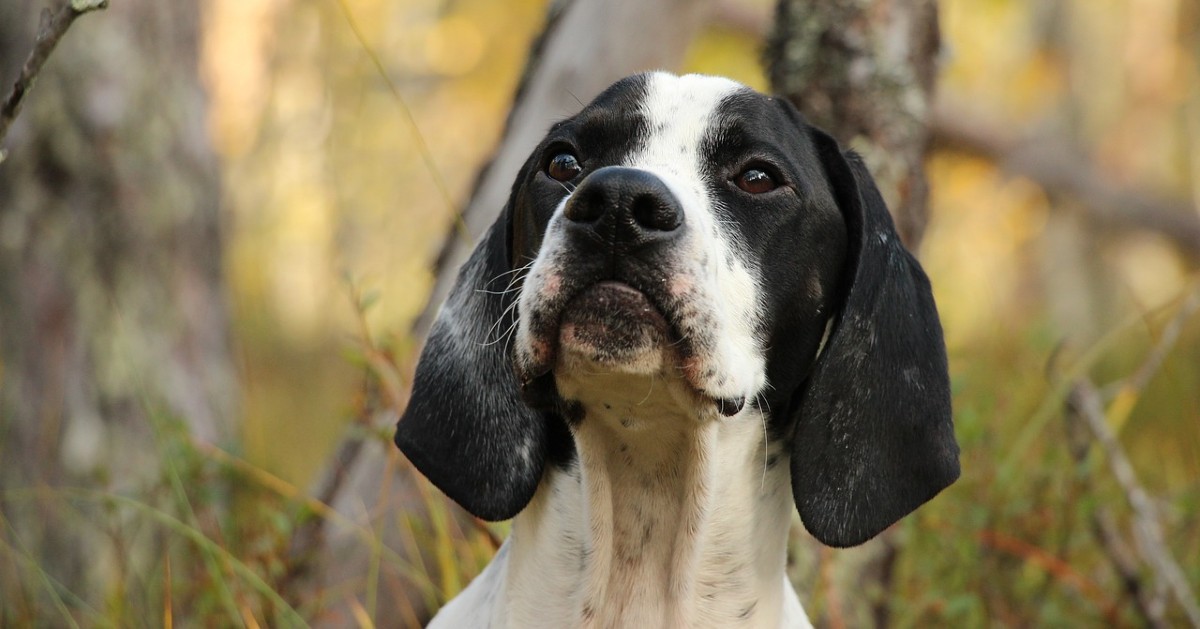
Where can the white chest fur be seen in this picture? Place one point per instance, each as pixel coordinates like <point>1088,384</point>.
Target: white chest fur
<point>663,521</point>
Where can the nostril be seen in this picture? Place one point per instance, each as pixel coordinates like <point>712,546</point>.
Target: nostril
<point>654,212</point>
<point>584,208</point>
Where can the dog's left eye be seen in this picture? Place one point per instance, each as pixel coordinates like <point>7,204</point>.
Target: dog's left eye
<point>563,167</point>
<point>756,181</point>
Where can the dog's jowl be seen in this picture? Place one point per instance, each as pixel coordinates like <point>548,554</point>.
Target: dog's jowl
<point>692,317</point>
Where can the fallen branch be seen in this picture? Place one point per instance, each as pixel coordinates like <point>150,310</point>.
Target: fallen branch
<point>1062,169</point>
<point>53,26</point>
<point>1087,406</point>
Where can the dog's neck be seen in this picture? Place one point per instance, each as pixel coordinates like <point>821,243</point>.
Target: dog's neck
<point>665,519</point>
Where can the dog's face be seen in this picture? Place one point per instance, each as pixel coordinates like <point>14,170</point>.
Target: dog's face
<point>699,239</point>
<point>690,228</point>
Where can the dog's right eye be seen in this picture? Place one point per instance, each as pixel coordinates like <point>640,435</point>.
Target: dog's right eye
<point>564,167</point>
<point>756,181</point>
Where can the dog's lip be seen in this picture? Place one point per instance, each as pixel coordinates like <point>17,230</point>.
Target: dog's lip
<point>536,380</point>
<point>609,294</point>
<point>613,289</point>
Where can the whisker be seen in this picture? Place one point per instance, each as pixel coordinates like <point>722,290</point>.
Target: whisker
<point>495,292</point>
<point>512,331</point>
<point>520,277</point>
<point>766,446</point>
<point>496,325</point>
<point>504,335</point>
<point>511,272</point>
<point>648,393</point>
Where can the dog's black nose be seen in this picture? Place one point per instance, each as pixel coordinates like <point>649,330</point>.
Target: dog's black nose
<point>625,205</point>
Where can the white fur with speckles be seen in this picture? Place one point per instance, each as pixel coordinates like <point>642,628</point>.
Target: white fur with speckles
<point>679,111</point>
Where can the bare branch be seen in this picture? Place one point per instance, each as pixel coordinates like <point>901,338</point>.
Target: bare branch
<point>54,26</point>
<point>1060,168</point>
<point>1089,422</point>
<point>1147,530</point>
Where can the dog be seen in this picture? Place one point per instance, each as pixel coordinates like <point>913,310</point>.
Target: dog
<point>693,313</point>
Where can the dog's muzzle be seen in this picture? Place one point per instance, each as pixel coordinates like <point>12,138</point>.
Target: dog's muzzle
<point>620,226</point>
<point>619,239</point>
<point>610,291</point>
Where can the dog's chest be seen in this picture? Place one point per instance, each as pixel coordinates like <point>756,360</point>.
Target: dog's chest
<point>655,527</point>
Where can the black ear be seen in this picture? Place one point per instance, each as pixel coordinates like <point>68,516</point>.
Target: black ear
<point>465,427</point>
<point>874,438</point>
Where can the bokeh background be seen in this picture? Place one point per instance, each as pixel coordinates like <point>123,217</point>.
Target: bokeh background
<point>342,137</point>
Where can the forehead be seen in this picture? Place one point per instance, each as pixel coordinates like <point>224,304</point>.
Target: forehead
<point>664,114</point>
<point>663,93</point>
<point>683,101</point>
<point>683,113</point>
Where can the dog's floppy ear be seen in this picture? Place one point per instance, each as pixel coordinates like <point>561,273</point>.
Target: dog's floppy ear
<point>465,427</point>
<point>874,438</point>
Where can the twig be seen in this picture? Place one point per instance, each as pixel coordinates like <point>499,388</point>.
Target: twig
<point>53,26</point>
<point>1147,531</point>
<point>1126,564</point>
<point>1141,378</point>
<point>1130,390</point>
<point>1054,566</point>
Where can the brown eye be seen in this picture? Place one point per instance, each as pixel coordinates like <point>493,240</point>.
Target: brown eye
<point>564,167</point>
<point>756,181</point>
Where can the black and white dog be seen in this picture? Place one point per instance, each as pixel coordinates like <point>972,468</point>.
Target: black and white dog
<point>693,313</point>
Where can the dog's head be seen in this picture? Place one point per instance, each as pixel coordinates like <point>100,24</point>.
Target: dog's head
<point>691,227</point>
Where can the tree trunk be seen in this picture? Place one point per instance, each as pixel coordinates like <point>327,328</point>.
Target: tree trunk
<point>864,70</point>
<point>112,311</point>
<point>586,45</point>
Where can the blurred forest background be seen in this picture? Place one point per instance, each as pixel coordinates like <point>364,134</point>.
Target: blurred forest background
<point>221,221</point>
